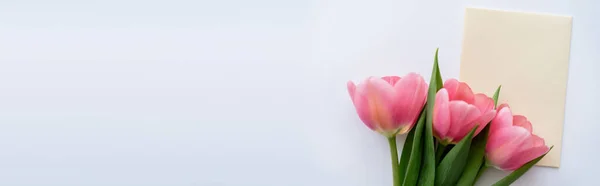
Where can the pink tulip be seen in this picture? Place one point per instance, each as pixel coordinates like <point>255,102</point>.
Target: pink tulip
<point>511,142</point>
<point>389,105</point>
<point>457,110</point>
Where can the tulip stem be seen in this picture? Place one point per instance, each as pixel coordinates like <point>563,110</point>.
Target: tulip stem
<point>395,165</point>
<point>440,152</point>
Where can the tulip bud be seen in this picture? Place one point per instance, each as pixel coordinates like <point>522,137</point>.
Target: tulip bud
<point>511,142</point>
<point>457,110</point>
<point>389,105</point>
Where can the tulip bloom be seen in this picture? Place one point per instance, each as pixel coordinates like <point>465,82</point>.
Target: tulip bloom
<point>511,142</point>
<point>389,105</point>
<point>457,110</point>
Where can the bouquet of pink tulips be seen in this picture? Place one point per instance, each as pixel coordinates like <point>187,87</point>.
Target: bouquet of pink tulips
<point>453,134</point>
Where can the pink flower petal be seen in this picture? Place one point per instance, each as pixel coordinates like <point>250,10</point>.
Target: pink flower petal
<point>459,91</point>
<point>463,117</point>
<point>521,121</point>
<point>411,92</point>
<point>441,113</point>
<point>502,106</point>
<point>483,102</point>
<point>537,141</point>
<point>381,103</point>
<point>503,119</point>
<point>504,143</point>
<point>391,79</point>
<point>451,85</point>
<point>524,156</point>
<point>484,120</point>
<point>361,104</point>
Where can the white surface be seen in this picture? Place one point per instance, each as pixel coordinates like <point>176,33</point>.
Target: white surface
<point>244,93</point>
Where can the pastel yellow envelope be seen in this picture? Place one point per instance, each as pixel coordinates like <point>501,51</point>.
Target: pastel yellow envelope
<point>528,54</point>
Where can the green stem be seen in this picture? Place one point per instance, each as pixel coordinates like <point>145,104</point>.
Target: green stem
<point>395,165</point>
<point>439,152</point>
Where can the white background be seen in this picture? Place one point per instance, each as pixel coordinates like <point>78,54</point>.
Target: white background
<point>239,93</point>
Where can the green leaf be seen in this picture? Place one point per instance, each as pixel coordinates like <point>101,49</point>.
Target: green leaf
<point>439,81</point>
<point>451,167</point>
<point>414,163</point>
<point>476,157</point>
<point>427,176</point>
<point>512,177</point>
<point>496,94</point>
<point>406,151</point>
